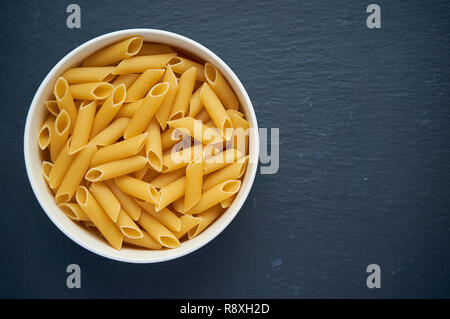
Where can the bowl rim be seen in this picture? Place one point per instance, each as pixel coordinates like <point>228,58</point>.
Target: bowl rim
<point>253,147</point>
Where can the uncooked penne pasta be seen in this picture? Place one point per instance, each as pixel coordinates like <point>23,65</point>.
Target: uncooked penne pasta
<point>195,103</point>
<point>91,90</point>
<point>237,120</point>
<point>170,193</point>
<point>165,179</point>
<point>60,134</point>
<point>139,64</point>
<point>52,107</point>
<point>216,111</point>
<point>126,201</point>
<point>143,84</point>
<point>74,175</point>
<point>119,150</point>
<point>144,114</point>
<point>46,132</point>
<point>149,175</point>
<point>164,216</point>
<point>46,168</point>
<point>106,199</point>
<point>158,231</point>
<point>175,160</point>
<point>146,241</point>
<point>203,116</point>
<point>187,222</point>
<point>227,202</point>
<point>194,181</point>
<point>221,87</point>
<point>115,169</point>
<point>74,211</point>
<point>129,109</point>
<point>125,79</point>
<point>137,188</point>
<point>83,127</point>
<point>153,149</point>
<point>62,163</point>
<point>115,53</point>
<point>127,226</point>
<point>172,136</point>
<point>163,112</point>
<point>109,109</point>
<point>111,133</point>
<point>184,93</point>
<point>178,205</point>
<point>180,65</point>
<point>98,216</point>
<point>207,218</point>
<point>197,130</point>
<point>87,74</point>
<point>154,48</point>
<point>220,160</point>
<point>215,195</point>
<point>64,99</point>
<point>232,171</point>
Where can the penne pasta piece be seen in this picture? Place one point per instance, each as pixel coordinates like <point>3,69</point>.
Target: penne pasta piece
<point>146,241</point>
<point>139,64</point>
<point>184,93</point>
<point>142,172</point>
<point>149,175</point>
<point>115,169</point>
<point>153,149</point>
<point>74,211</point>
<point>106,199</point>
<point>98,216</point>
<point>239,140</point>
<point>207,218</point>
<point>154,48</point>
<point>111,133</point>
<point>143,84</point>
<point>172,136</point>
<point>195,103</point>
<point>197,130</point>
<point>163,112</point>
<point>237,120</point>
<point>88,74</point>
<point>188,222</point>
<point>64,99</point>
<point>46,168</point>
<point>52,107</point>
<point>46,132</point>
<point>165,216</point>
<point>126,201</point>
<point>75,174</point>
<point>83,126</point>
<point>59,134</point>
<point>180,65</point>
<point>221,87</point>
<point>91,90</point>
<point>170,193</point>
<point>137,188</point>
<point>62,164</point>
<point>115,53</point>
<point>175,160</point>
<point>158,231</point>
<point>165,179</point>
<point>220,160</point>
<point>128,227</point>
<point>109,109</point>
<point>120,150</point>
<point>216,111</point>
<point>178,205</point>
<point>232,171</point>
<point>144,114</point>
<point>125,79</point>
<point>129,109</point>
<point>203,116</point>
<point>215,195</point>
<point>194,182</point>
<point>227,202</point>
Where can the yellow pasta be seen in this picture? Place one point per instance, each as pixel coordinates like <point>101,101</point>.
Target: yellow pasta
<point>60,134</point>
<point>153,149</point>
<point>83,126</point>
<point>120,150</point>
<point>87,74</point>
<point>165,179</point>
<point>115,169</point>
<point>158,231</point>
<point>195,103</point>
<point>184,92</point>
<point>194,181</point>
<point>115,53</point>
<point>197,130</point>
<point>91,91</point>
<point>139,64</point>
<point>154,48</point>
<point>62,163</point>
<point>137,188</point>
<point>74,211</point>
<point>207,218</point>
<point>221,87</point>
<point>163,112</point>
<point>128,227</point>
<point>215,195</point>
<point>216,111</point>
<point>176,160</point>
<point>203,116</point>
<point>74,175</point>
<point>106,199</point>
<point>52,107</point>
<point>144,114</point>
<point>227,202</point>
<point>98,216</point>
<point>187,222</point>
<point>46,132</point>
<point>111,133</point>
<point>146,241</point>
<point>64,99</point>
<point>232,171</point>
<point>125,79</point>
<point>238,120</point>
<point>180,65</point>
<point>129,109</point>
<point>126,201</point>
<point>109,109</point>
<point>220,160</point>
<point>46,168</point>
<point>143,84</point>
<point>164,216</point>
<point>172,136</point>
<point>170,193</point>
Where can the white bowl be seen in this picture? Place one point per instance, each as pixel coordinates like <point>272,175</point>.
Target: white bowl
<point>33,156</point>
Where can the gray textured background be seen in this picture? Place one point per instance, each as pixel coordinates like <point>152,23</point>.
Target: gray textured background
<point>364,173</point>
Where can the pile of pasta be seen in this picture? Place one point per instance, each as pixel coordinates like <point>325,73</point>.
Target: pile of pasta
<point>142,145</point>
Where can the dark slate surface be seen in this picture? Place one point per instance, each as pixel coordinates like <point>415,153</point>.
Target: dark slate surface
<point>364,173</point>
